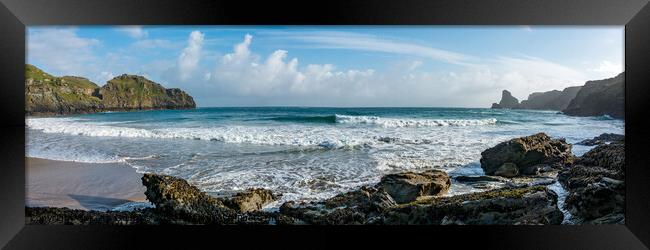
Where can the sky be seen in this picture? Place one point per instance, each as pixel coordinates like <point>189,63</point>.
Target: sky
<point>336,66</point>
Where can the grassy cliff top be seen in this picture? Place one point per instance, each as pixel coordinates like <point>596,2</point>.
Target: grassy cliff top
<point>32,72</point>
<point>138,85</point>
<point>35,73</point>
<point>79,82</point>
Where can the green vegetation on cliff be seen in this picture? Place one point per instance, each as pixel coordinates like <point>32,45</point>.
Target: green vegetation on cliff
<point>48,95</point>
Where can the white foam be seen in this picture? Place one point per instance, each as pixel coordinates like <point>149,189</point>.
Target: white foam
<point>281,135</point>
<point>398,123</point>
<point>133,205</point>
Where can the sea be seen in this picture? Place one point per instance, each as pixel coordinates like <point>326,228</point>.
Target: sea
<point>304,153</point>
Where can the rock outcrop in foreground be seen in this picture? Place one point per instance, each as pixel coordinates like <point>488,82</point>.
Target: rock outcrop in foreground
<point>604,138</point>
<point>509,206</point>
<point>49,95</point>
<point>407,187</point>
<point>595,183</point>
<point>526,156</point>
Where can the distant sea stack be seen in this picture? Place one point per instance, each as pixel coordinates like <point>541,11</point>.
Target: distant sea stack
<point>600,97</point>
<point>49,95</point>
<point>507,101</point>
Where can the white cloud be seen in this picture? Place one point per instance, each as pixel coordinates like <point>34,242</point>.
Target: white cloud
<point>607,67</point>
<point>245,73</point>
<point>189,58</point>
<point>526,28</point>
<point>105,76</point>
<point>414,65</point>
<point>243,77</point>
<point>353,41</point>
<point>61,50</point>
<point>526,74</point>
<point>153,43</point>
<point>136,32</point>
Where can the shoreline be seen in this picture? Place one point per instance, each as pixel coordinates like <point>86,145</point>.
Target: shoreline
<point>558,188</point>
<point>76,185</point>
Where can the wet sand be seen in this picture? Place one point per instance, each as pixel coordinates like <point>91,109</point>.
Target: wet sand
<point>88,186</point>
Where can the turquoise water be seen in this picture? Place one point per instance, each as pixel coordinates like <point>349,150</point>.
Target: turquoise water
<point>304,153</point>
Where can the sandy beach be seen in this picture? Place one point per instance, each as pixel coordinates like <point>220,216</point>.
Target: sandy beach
<point>81,185</point>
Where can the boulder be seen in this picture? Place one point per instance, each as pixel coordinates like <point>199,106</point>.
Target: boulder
<point>177,199</point>
<point>362,206</point>
<point>535,205</point>
<point>603,138</point>
<point>483,178</point>
<point>250,200</point>
<point>596,185</point>
<point>407,187</point>
<point>507,169</point>
<point>529,154</point>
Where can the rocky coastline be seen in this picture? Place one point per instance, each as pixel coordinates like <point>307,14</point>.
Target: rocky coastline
<point>594,98</point>
<point>47,95</point>
<point>525,166</point>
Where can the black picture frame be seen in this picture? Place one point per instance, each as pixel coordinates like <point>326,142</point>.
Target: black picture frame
<point>15,15</point>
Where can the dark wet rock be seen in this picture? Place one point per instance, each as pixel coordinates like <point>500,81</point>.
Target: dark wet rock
<point>507,101</point>
<point>603,139</point>
<point>387,139</point>
<point>530,154</point>
<point>66,216</point>
<point>147,216</point>
<point>600,97</point>
<point>250,200</point>
<point>176,198</point>
<point>506,206</point>
<point>362,206</point>
<point>407,187</point>
<point>483,178</point>
<point>507,169</point>
<point>530,181</point>
<point>596,185</point>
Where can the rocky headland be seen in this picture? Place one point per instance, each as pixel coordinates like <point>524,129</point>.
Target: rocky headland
<point>49,95</point>
<point>526,166</point>
<point>595,98</point>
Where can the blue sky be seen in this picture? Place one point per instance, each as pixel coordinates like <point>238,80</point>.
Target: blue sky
<point>444,66</point>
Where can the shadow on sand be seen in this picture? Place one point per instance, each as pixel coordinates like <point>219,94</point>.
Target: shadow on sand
<point>96,202</point>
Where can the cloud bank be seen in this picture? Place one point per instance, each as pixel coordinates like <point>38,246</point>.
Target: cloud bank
<point>243,77</point>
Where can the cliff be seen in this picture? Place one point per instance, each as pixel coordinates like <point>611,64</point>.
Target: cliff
<point>507,101</point>
<point>46,94</point>
<point>600,97</point>
<point>550,100</point>
<point>595,98</point>
<point>49,95</point>
<point>127,92</point>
